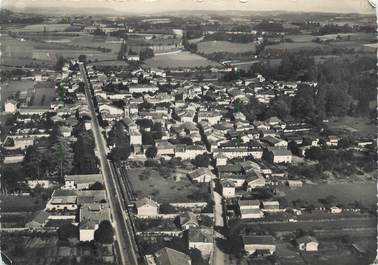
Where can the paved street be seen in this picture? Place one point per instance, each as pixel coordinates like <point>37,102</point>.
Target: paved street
<point>122,231</point>
<point>219,257</point>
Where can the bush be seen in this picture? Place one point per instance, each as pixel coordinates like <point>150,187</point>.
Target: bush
<point>97,186</point>
<point>151,152</point>
<point>67,231</point>
<point>166,208</point>
<point>104,234</point>
<point>201,161</point>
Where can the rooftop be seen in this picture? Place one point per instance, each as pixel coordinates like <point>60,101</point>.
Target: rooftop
<point>258,240</point>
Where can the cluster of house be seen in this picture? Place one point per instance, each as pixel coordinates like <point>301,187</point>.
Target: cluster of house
<point>186,225</point>
<point>181,117</point>
<point>246,156</point>
<point>77,203</point>
<point>31,122</point>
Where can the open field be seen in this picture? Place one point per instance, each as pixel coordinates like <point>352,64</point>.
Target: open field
<point>179,59</point>
<point>15,220</point>
<point>344,193</point>
<point>11,203</point>
<point>43,27</point>
<point>45,48</point>
<point>208,47</point>
<point>356,45</point>
<point>163,185</point>
<point>42,94</point>
<point>110,63</point>
<point>294,46</point>
<point>11,87</point>
<point>361,126</point>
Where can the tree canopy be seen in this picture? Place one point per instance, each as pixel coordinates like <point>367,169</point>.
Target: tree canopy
<point>105,233</point>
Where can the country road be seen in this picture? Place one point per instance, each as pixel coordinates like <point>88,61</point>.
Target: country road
<point>118,208</point>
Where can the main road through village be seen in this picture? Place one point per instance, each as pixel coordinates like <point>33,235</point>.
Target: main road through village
<point>118,207</point>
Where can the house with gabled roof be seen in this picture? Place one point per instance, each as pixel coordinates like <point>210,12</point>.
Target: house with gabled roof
<point>254,180</point>
<point>188,220</point>
<point>147,207</point>
<point>227,188</point>
<point>307,243</point>
<point>201,239</point>
<point>39,220</point>
<point>253,243</point>
<point>201,175</point>
<point>168,256</point>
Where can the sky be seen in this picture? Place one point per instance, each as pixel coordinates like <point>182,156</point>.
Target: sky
<point>153,6</point>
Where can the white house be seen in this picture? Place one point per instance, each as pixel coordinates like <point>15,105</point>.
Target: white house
<point>87,230</point>
<point>271,206</point>
<point>147,207</point>
<point>188,220</point>
<point>249,204</point>
<point>91,215</point>
<point>295,184</point>
<point>135,137</point>
<point>62,202</point>
<point>254,181</point>
<point>201,175</point>
<point>46,184</point>
<point>10,106</point>
<point>251,213</point>
<point>143,88</point>
<point>307,243</point>
<point>81,182</point>
<point>253,243</point>
<point>133,58</point>
<point>168,256</point>
<point>201,239</point>
<point>220,160</point>
<point>164,148</point>
<point>228,188</point>
<point>109,112</point>
<point>333,140</point>
<point>275,141</point>
<point>213,117</point>
<point>279,156</point>
<point>335,209</point>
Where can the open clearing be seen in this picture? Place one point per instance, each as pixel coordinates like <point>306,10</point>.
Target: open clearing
<point>208,47</point>
<point>164,185</point>
<point>41,48</point>
<point>11,203</point>
<point>181,59</point>
<point>344,193</point>
<point>42,95</point>
<point>43,27</point>
<point>293,46</point>
<point>361,126</point>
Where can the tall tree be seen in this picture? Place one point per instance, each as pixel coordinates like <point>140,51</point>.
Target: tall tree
<point>62,156</point>
<point>303,105</point>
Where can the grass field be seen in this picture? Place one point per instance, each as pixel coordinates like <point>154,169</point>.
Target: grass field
<point>344,193</point>
<point>42,96</point>
<point>361,126</point>
<point>43,27</point>
<point>293,46</point>
<point>11,87</point>
<point>163,186</point>
<point>208,47</point>
<point>10,203</point>
<point>180,59</point>
<point>41,48</point>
